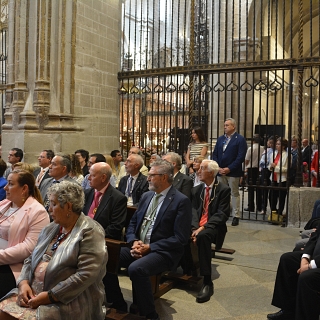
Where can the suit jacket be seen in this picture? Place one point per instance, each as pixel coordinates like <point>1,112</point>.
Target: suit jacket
<point>311,244</point>
<point>183,183</point>
<point>29,220</point>
<point>46,175</point>
<point>219,209</point>
<point>111,212</point>
<point>141,186</point>
<point>233,156</point>
<point>75,271</point>
<point>306,154</point>
<point>171,230</point>
<point>47,184</point>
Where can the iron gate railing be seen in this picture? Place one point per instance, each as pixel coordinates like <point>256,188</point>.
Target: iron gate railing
<point>188,63</point>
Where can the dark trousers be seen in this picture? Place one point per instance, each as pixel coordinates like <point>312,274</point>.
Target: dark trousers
<point>204,240</point>
<point>139,271</point>
<point>278,195</point>
<point>263,193</point>
<point>294,292</point>
<point>252,179</point>
<point>7,280</point>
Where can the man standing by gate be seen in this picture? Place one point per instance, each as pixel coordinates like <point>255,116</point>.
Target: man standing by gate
<point>229,153</point>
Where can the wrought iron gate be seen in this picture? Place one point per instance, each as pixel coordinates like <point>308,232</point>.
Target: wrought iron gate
<point>196,62</point>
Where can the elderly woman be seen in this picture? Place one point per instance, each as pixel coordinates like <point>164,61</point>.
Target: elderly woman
<point>62,279</point>
<point>22,217</point>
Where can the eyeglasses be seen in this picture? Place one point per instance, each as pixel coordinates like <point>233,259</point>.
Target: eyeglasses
<point>56,244</point>
<point>151,175</point>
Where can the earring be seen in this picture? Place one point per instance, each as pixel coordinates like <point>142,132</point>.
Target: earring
<point>23,199</point>
<point>68,215</point>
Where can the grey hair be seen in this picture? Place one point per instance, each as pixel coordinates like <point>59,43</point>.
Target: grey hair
<point>155,155</point>
<point>165,167</point>
<point>139,150</point>
<point>232,121</point>
<point>67,191</point>
<point>65,160</point>
<point>137,159</point>
<point>175,158</point>
<point>212,166</point>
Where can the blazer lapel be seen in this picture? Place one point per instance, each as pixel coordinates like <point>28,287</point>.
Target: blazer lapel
<point>144,210</point>
<point>166,202</point>
<point>104,201</point>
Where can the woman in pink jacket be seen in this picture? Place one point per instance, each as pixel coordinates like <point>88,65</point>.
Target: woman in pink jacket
<point>22,217</point>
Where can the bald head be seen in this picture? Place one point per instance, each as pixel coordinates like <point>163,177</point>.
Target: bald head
<point>100,174</point>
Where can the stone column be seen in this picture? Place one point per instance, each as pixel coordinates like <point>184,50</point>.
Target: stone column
<point>63,59</point>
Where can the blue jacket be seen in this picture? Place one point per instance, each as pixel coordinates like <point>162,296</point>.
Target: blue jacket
<point>233,156</point>
<point>3,183</point>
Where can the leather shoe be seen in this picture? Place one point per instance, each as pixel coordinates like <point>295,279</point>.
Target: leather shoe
<point>281,315</point>
<point>235,221</point>
<point>205,293</point>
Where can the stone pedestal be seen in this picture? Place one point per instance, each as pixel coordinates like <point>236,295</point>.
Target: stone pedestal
<point>300,205</point>
<point>63,59</point>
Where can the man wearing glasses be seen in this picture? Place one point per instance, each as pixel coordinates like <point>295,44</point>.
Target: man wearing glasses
<point>157,233</point>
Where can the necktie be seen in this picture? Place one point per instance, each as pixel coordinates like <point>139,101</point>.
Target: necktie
<point>149,217</point>
<point>94,204</point>
<point>204,217</point>
<point>39,177</point>
<point>129,187</point>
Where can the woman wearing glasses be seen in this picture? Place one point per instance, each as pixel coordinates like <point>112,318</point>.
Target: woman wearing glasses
<point>22,217</point>
<point>62,279</point>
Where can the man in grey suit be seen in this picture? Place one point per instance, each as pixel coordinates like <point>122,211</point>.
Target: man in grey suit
<point>58,170</point>
<point>42,173</point>
<point>181,181</point>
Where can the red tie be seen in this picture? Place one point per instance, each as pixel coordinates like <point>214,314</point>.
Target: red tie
<point>94,204</point>
<point>204,217</point>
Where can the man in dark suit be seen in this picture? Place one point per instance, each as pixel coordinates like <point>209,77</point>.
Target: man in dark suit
<point>306,151</point>
<point>181,181</point>
<point>229,153</point>
<point>59,171</point>
<point>297,285</point>
<point>104,203</point>
<point>134,184</point>
<point>210,212</point>
<point>42,173</point>
<point>157,233</point>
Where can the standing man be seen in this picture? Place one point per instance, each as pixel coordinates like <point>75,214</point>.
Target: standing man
<point>253,156</point>
<point>94,158</point>
<point>83,156</point>
<point>15,155</point>
<point>134,184</point>
<point>104,203</point>
<point>210,212</point>
<point>294,160</point>
<point>229,153</point>
<point>306,151</point>
<point>44,160</point>
<point>181,181</point>
<point>157,233</point>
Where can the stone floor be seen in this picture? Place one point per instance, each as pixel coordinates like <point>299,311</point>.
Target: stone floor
<point>243,281</point>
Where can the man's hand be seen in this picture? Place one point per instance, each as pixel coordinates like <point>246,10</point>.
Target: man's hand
<point>304,265</point>
<point>195,233</point>
<point>224,171</point>
<point>139,249</point>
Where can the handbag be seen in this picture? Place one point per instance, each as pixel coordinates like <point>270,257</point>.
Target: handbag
<point>275,218</point>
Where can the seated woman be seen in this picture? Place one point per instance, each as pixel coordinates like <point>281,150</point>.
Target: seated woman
<point>195,175</point>
<point>113,177</point>
<point>62,279</point>
<point>76,171</point>
<point>22,217</point>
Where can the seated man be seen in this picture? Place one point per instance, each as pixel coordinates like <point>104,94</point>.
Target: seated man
<point>210,212</point>
<point>157,233</point>
<point>104,203</point>
<point>134,184</point>
<point>297,286</point>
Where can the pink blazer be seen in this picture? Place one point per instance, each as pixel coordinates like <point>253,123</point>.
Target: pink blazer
<point>23,233</point>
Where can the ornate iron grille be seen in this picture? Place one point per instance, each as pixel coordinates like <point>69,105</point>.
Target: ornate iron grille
<point>3,53</point>
<point>197,62</point>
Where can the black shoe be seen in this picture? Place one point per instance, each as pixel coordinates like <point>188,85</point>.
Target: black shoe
<point>205,293</point>
<point>235,221</point>
<point>248,209</point>
<point>120,306</point>
<point>134,309</point>
<point>281,315</point>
